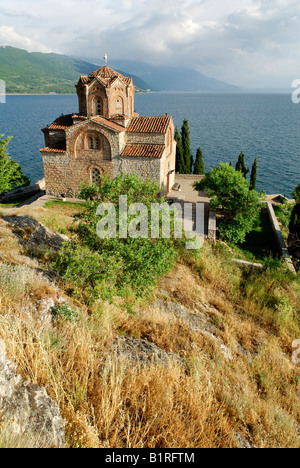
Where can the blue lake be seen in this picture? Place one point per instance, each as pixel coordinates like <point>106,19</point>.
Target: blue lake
<point>263,126</point>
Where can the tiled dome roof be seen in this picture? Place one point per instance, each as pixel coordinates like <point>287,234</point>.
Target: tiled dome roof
<point>107,75</point>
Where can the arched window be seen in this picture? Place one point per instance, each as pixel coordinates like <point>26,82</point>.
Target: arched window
<point>98,106</point>
<point>119,105</point>
<point>95,175</point>
<point>94,143</point>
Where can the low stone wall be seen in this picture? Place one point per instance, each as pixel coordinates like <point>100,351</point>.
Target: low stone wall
<point>23,192</point>
<point>190,177</point>
<point>279,237</point>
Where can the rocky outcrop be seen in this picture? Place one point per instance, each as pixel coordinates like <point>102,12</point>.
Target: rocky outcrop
<point>196,320</point>
<point>141,353</point>
<point>27,410</point>
<point>31,233</point>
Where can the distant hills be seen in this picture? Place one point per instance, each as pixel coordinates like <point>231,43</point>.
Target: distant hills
<point>163,78</point>
<point>39,73</point>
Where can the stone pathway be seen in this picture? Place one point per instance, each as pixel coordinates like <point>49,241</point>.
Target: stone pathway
<point>188,194</point>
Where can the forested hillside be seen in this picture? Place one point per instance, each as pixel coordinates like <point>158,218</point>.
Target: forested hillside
<point>38,73</point>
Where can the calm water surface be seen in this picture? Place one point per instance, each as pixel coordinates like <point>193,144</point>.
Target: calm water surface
<point>263,126</point>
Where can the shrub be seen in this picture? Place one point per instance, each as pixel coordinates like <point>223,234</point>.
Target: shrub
<point>109,266</point>
<point>63,310</point>
<point>13,280</point>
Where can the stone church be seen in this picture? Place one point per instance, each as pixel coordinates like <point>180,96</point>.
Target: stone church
<point>107,136</point>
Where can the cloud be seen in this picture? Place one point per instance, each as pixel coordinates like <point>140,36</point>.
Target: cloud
<point>246,42</point>
<point>9,36</point>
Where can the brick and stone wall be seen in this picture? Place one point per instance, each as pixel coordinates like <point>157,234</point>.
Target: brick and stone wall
<point>64,175</point>
<point>146,168</point>
<point>146,138</point>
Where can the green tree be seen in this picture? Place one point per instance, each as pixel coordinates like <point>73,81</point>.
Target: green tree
<point>240,165</point>
<point>180,165</point>
<point>229,191</point>
<point>199,165</point>
<point>187,152</point>
<point>10,172</point>
<point>253,177</point>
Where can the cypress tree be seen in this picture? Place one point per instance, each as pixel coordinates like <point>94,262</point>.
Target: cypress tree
<point>187,152</point>
<point>199,165</point>
<point>180,164</point>
<point>253,177</point>
<point>240,165</point>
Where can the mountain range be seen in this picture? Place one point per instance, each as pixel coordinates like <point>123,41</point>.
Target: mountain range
<point>39,73</point>
<point>163,78</point>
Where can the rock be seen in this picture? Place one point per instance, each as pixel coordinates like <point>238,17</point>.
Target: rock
<point>226,352</point>
<point>242,441</point>
<point>195,320</point>
<point>141,353</point>
<point>31,233</point>
<point>27,410</point>
<point>242,352</point>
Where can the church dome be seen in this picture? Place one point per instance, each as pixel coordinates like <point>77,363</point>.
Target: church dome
<point>107,76</point>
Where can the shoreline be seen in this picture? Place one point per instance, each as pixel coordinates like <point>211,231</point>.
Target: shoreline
<point>66,94</point>
<point>235,93</point>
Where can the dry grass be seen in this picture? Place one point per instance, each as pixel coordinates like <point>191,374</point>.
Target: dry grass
<point>58,216</point>
<point>202,402</point>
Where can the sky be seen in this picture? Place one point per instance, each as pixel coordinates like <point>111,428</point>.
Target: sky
<point>248,43</point>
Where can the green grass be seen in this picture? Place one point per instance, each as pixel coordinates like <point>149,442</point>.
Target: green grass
<point>67,205</point>
<point>260,243</point>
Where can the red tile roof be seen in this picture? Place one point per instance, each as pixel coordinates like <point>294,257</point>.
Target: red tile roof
<point>149,124</point>
<point>63,122</point>
<point>107,76</point>
<point>52,150</point>
<point>143,151</point>
<point>108,123</point>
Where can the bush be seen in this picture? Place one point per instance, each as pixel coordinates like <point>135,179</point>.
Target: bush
<point>63,310</point>
<point>283,213</point>
<point>106,267</point>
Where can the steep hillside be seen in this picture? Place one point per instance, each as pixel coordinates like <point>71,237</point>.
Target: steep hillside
<point>38,73</point>
<point>204,361</point>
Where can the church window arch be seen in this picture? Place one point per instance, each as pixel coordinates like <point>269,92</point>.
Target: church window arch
<point>117,104</point>
<point>98,106</point>
<point>95,175</point>
<point>93,142</point>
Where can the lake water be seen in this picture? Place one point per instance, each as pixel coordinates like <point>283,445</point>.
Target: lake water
<point>263,126</point>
